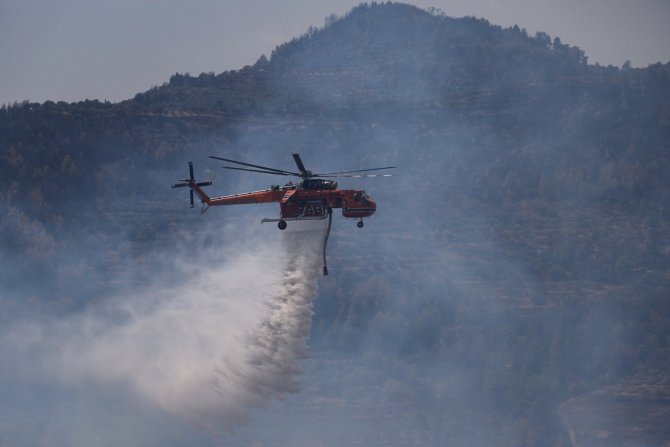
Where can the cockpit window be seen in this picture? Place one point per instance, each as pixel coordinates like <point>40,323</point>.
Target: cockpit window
<point>361,196</point>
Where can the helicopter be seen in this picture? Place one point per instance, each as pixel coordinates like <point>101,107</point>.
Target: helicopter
<point>312,198</point>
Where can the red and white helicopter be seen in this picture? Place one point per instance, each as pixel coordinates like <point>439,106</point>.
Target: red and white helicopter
<point>312,198</point>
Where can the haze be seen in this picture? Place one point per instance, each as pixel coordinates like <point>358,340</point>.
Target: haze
<point>76,49</point>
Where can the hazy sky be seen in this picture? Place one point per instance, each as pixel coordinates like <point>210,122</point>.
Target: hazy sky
<point>75,49</point>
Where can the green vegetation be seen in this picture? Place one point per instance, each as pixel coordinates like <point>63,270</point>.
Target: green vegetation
<point>521,259</point>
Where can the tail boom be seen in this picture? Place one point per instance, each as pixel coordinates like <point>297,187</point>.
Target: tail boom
<point>265,196</point>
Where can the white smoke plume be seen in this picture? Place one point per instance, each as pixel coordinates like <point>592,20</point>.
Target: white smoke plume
<point>229,339</point>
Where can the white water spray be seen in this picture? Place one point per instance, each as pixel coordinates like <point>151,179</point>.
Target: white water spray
<point>228,340</point>
<point>279,341</point>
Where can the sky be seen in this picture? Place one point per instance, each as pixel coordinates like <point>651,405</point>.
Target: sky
<point>70,50</point>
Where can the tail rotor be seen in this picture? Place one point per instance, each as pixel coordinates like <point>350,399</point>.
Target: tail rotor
<point>190,182</point>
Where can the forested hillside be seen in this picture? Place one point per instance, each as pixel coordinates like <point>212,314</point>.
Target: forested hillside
<point>513,286</point>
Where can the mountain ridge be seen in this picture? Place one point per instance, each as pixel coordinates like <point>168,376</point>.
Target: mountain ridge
<point>519,261</point>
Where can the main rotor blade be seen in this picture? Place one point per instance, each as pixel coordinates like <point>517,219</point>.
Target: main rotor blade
<point>253,166</point>
<point>357,175</point>
<point>190,170</point>
<point>256,170</point>
<point>350,172</point>
<point>298,161</point>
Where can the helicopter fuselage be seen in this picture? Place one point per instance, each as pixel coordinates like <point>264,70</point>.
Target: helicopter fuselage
<point>298,202</point>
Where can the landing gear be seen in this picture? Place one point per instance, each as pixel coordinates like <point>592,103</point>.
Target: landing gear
<point>281,224</point>
<point>360,224</point>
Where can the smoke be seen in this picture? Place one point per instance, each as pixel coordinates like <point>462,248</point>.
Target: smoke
<point>227,339</point>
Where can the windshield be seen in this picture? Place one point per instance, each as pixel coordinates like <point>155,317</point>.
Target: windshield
<point>361,196</point>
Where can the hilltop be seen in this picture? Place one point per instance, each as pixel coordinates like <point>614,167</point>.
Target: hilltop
<point>516,271</point>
